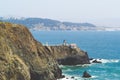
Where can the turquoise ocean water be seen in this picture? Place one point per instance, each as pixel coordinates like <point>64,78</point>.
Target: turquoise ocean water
<point>104,45</point>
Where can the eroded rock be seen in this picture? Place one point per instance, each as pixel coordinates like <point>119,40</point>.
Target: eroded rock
<point>86,74</point>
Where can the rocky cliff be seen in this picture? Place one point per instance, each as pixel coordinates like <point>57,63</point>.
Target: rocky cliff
<point>66,55</point>
<point>22,57</point>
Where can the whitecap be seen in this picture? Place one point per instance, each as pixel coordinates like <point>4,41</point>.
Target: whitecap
<point>94,77</point>
<point>84,65</point>
<point>109,60</point>
<point>77,77</point>
<point>106,60</point>
<point>61,66</point>
<point>67,77</point>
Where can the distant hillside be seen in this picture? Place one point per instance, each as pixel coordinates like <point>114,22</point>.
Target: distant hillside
<point>47,24</point>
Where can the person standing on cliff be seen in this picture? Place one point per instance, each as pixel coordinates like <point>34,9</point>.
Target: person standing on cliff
<point>64,42</point>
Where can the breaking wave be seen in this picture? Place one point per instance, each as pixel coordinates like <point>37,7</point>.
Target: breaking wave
<point>106,60</point>
<point>68,77</point>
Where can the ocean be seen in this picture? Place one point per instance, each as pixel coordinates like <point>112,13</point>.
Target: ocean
<point>103,45</point>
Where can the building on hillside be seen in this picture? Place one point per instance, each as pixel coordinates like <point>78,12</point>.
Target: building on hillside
<point>64,43</point>
<point>73,45</point>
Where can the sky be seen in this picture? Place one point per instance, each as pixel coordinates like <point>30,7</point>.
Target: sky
<point>99,12</point>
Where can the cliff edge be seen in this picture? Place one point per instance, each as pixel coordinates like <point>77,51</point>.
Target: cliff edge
<point>67,55</point>
<point>22,57</point>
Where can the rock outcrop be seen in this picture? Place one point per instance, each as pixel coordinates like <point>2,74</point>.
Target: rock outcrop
<point>66,55</point>
<point>95,61</point>
<point>86,74</point>
<point>22,57</point>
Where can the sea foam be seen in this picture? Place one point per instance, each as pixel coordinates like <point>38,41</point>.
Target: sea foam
<point>106,60</point>
<point>68,77</point>
<point>109,60</point>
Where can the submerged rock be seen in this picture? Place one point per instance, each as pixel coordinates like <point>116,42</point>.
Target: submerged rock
<point>63,76</point>
<point>72,77</point>
<point>86,74</point>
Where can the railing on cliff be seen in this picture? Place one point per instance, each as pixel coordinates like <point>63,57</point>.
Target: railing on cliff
<point>72,45</point>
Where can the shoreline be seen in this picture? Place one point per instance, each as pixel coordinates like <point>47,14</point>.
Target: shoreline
<point>79,77</point>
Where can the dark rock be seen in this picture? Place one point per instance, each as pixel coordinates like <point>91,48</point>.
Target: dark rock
<point>86,74</point>
<point>95,61</point>
<point>63,76</point>
<point>69,56</point>
<point>73,60</point>
<point>67,78</point>
<point>72,77</point>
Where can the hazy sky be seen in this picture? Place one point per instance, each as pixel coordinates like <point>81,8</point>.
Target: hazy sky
<point>100,12</point>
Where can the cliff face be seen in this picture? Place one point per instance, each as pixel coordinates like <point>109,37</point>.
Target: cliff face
<point>22,57</point>
<point>66,55</point>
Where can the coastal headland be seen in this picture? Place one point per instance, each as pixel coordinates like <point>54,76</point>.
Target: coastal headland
<point>24,58</point>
